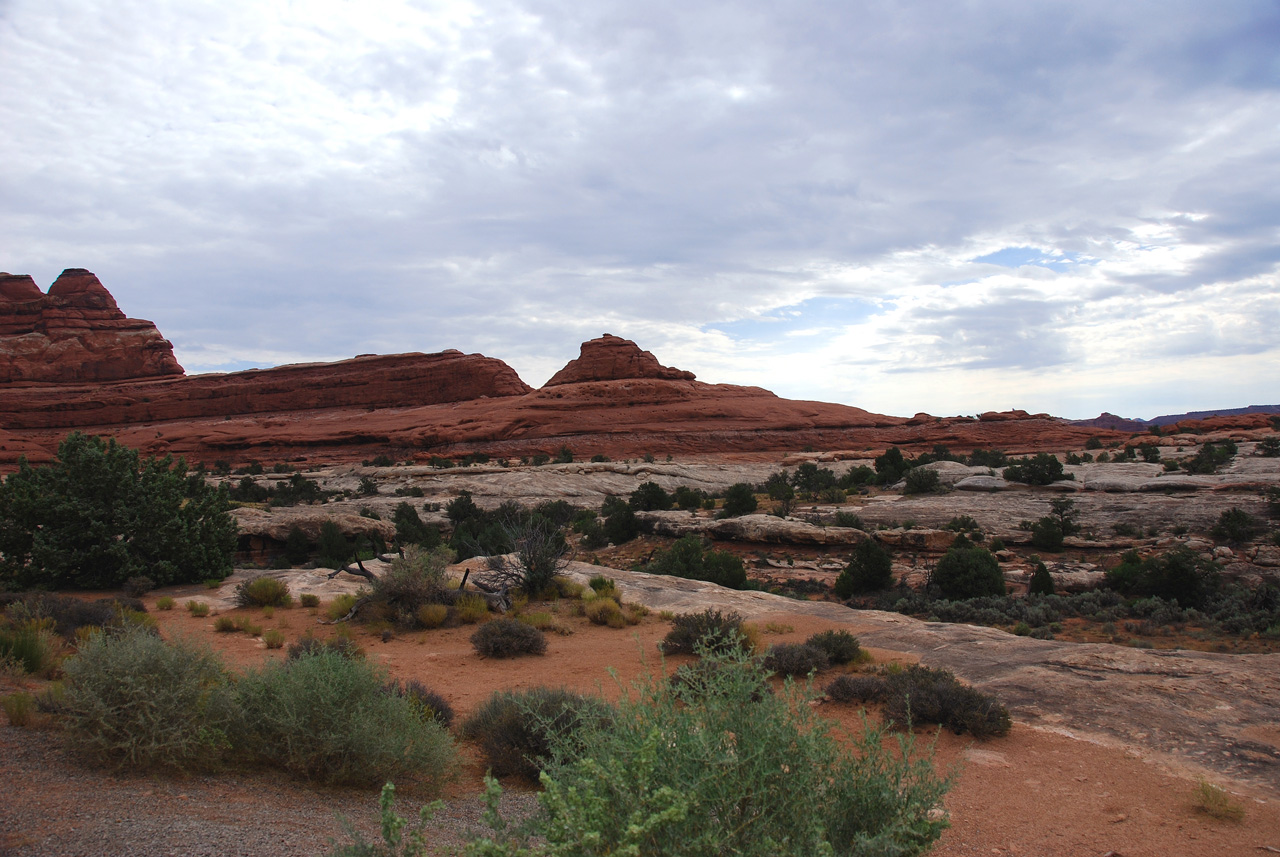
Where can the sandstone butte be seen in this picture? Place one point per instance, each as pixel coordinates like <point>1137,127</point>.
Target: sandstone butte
<point>70,359</point>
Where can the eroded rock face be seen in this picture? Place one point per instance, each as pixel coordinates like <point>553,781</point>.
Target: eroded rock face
<point>75,333</point>
<point>612,358</point>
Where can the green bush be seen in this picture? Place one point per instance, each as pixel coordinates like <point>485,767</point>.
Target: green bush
<point>28,642</point>
<point>650,497</point>
<point>739,499</point>
<point>730,772</point>
<point>1046,534</point>
<point>870,568</point>
<point>263,591</point>
<point>795,659</point>
<point>136,701</point>
<point>517,729</point>
<point>841,646</point>
<point>1179,575</point>
<point>620,524</point>
<point>1043,469</point>
<point>857,688</point>
<point>506,638</point>
<point>333,548</point>
<point>923,695</point>
<point>414,579</point>
<point>689,558</point>
<point>427,704</point>
<point>1210,457</point>
<point>1235,526</point>
<point>968,572</point>
<point>709,629</point>
<point>1041,581</point>
<point>327,717</point>
<point>297,547</point>
<point>922,480</point>
<point>850,520</point>
<point>100,514</point>
<point>410,530</point>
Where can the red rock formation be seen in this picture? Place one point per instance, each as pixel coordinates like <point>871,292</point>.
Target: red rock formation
<point>615,399</point>
<point>612,358</point>
<point>1112,422</point>
<point>75,333</point>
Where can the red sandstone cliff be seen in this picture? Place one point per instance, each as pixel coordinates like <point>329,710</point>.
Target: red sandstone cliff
<point>75,333</point>
<point>117,376</point>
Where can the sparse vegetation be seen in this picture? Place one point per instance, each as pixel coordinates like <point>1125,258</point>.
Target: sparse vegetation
<point>1216,802</point>
<point>506,638</point>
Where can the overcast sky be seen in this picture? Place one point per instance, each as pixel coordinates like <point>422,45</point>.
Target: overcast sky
<point>933,206</point>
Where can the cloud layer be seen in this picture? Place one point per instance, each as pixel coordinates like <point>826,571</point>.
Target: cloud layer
<point>1066,207</point>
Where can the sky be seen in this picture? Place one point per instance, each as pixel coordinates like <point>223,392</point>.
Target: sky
<point>941,207</point>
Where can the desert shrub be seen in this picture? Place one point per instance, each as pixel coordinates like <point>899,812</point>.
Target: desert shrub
<point>19,707</point>
<point>471,608</point>
<point>841,646</point>
<point>962,524</point>
<point>604,611</point>
<point>968,572</point>
<point>263,591</point>
<point>1179,575</point>
<point>1216,802</point>
<point>689,558</point>
<point>922,695</point>
<point>199,609</point>
<point>1046,535</point>
<point>414,579</point>
<point>850,520</point>
<point>649,497</point>
<point>1041,580</point>
<point>603,586</point>
<point>726,773</point>
<point>1043,469</point>
<point>28,642</point>
<point>795,659</point>
<point>1210,457</point>
<point>687,498</point>
<point>225,624</point>
<point>410,530</point>
<point>691,682</point>
<point>432,615</point>
<point>133,700</point>
<point>922,480</point>
<point>309,645</point>
<point>136,587</point>
<point>327,717</point>
<point>427,704</point>
<point>339,607</point>
<point>709,629</point>
<point>537,551</point>
<point>165,602</point>
<point>1235,526</point>
<point>1269,447</point>
<point>739,499</point>
<point>857,688</point>
<point>309,599</point>
<point>100,514</point>
<point>620,524</point>
<point>273,639</point>
<point>333,549</point>
<point>891,466</point>
<point>506,638</point>
<point>517,729</point>
<point>870,568</point>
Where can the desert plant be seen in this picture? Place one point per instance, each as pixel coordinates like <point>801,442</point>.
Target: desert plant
<point>1046,535</point>
<point>709,629</point>
<point>340,606</point>
<point>922,480</point>
<point>922,695</point>
<point>225,624</point>
<point>1216,802</point>
<point>688,557</point>
<point>729,771</point>
<point>432,615</point>
<point>968,572</point>
<point>1235,526</point>
<point>517,729</point>
<point>199,609</point>
<point>471,608</point>
<point>537,554</point>
<point>136,587</point>
<point>870,568</point>
<point>333,549</point>
<point>604,611</point>
<point>857,688</point>
<point>415,578</point>
<point>263,591</point>
<point>309,599</point>
<point>620,523</point>
<point>506,638</point>
<point>850,520</point>
<point>165,602</point>
<point>650,497</point>
<point>297,547</point>
<point>739,499</point>
<point>795,659</point>
<point>1041,581</point>
<point>274,639</point>
<point>427,704</point>
<point>1042,469</point>
<point>28,643</point>
<point>309,645</point>
<point>134,700</point>
<point>327,717</point>
<point>20,708</point>
<point>100,514</point>
<point>841,646</point>
<point>1179,575</point>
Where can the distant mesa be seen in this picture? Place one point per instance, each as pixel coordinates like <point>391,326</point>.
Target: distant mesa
<point>612,358</point>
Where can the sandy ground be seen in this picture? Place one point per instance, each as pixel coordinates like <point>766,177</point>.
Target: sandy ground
<point>1035,792</point>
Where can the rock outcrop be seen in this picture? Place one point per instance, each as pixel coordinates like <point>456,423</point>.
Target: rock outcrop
<point>75,333</point>
<point>612,358</point>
